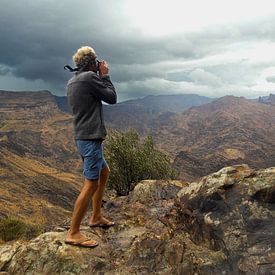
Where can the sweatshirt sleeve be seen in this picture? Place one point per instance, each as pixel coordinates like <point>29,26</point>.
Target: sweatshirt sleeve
<point>103,89</point>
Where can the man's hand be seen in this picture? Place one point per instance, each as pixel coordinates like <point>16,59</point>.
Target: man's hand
<point>103,68</point>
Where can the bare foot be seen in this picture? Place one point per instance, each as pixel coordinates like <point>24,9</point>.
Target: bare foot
<point>100,220</point>
<point>80,238</point>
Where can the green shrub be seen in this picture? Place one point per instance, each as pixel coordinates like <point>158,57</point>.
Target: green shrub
<point>13,228</point>
<point>132,160</point>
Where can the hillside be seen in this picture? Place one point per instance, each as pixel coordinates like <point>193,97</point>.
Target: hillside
<point>227,131</point>
<point>40,169</point>
<point>33,125</point>
<point>142,113</point>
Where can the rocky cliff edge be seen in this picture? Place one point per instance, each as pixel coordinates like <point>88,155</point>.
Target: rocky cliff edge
<point>222,224</point>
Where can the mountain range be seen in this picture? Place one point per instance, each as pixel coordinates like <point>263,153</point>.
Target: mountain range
<point>141,113</point>
<point>41,169</point>
<point>230,130</point>
<point>270,99</point>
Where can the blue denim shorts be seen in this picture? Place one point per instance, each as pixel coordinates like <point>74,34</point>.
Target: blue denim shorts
<point>91,152</point>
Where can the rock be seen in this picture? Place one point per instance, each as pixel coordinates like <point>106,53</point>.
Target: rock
<point>6,254</point>
<point>149,191</point>
<point>59,229</point>
<point>263,190</point>
<point>222,224</point>
<point>47,254</point>
<point>133,245</point>
<point>233,211</point>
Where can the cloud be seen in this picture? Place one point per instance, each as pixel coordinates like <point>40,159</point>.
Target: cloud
<point>133,89</point>
<point>39,37</point>
<point>271,79</point>
<point>4,70</point>
<point>201,76</point>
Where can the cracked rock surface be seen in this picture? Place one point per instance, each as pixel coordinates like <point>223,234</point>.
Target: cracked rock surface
<point>222,224</point>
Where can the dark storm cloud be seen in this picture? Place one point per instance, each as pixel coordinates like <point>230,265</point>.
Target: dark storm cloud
<point>4,70</point>
<point>43,38</point>
<point>39,37</point>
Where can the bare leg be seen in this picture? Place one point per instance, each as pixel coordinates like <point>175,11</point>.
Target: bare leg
<point>80,208</point>
<point>97,198</point>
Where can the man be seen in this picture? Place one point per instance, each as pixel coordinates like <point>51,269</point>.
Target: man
<point>85,90</point>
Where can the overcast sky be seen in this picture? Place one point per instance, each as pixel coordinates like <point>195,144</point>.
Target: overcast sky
<point>211,48</point>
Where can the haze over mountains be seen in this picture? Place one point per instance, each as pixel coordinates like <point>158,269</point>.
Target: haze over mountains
<point>142,114</point>
<point>41,168</point>
<point>267,99</point>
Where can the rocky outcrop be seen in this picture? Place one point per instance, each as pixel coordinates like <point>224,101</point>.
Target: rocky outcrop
<point>232,211</point>
<point>222,224</point>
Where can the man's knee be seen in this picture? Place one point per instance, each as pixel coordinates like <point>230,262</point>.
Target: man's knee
<point>91,183</point>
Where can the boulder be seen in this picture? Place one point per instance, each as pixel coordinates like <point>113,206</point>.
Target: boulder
<point>221,224</point>
<point>233,211</point>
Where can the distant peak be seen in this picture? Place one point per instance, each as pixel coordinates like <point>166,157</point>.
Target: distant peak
<point>230,98</point>
<point>267,99</point>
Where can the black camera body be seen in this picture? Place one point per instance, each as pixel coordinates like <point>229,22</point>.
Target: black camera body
<point>97,64</point>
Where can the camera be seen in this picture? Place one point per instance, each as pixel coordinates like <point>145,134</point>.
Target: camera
<point>97,64</point>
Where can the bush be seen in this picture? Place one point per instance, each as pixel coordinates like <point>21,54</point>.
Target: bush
<point>131,161</point>
<point>12,228</point>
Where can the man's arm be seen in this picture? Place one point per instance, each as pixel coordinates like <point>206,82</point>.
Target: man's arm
<point>103,89</point>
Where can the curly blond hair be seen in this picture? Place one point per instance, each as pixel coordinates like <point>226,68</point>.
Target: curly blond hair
<point>81,54</point>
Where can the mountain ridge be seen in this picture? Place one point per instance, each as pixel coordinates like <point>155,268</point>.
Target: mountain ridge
<point>34,132</point>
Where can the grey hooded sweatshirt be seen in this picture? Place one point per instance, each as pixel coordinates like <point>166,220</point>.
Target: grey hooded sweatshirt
<point>85,90</point>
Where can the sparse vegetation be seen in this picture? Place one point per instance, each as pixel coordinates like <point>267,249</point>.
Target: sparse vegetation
<point>132,160</point>
<point>12,228</point>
